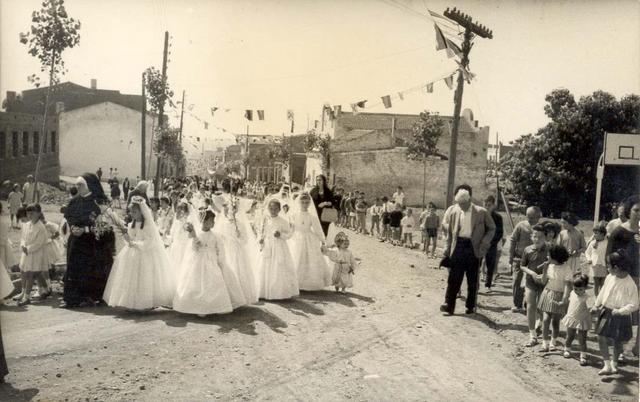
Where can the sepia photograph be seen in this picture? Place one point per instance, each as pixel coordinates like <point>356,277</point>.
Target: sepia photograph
<point>319,200</point>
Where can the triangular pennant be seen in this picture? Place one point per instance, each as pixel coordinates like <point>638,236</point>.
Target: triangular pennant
<point>190,107</point>
<point>361,103</point>
<point>206,125</point>
<point>441,41</point>
<point>260,114</point>
<point>401,95</point>
<point>449,81</point>
<point>213,110</point>
<point>248,114</point>
<point>386,101</point>
<point>289,114</point>
<point>227,110</point>
<point>429,87</point>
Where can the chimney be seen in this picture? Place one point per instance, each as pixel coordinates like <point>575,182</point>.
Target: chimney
<point>11,96</point>
<point>94,83</point>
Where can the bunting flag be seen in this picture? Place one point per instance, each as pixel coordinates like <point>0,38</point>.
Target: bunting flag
<point>361,104</point>
<point>190,108</point>
<point>260,114</point>
<point>449,81</point>
<point>468,75</point>
<point>442,42</point>
<point>248,114</point>
<point>213,110</point>
<point>206,125</point>
<point>227,110</point>
<point>401,95</point>
<point>430,87</point>
<point>290,114</point>
<point>386,100</point>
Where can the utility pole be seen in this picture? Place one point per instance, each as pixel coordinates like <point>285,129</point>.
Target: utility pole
<point>161,125</point>
<point>143,132</point>
<point>471,29</point>
<point>181,117</point>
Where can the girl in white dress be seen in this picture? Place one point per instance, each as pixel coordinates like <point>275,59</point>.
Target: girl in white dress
<point>345,263</point>
<point>179,238</point>
<point>306,243</point>
<point>34,260</point>
<point>140,278</point>
<point>165,220</point>
<point>237,248</point>
<point>201,288</point>
<point>277,274</point>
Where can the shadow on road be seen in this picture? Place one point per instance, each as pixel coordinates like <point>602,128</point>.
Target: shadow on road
<point>9,393</point>
<point>324,297</point>
<point>298,307</point>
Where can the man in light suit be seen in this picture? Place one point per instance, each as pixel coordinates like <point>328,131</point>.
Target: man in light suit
<point>469,230</point>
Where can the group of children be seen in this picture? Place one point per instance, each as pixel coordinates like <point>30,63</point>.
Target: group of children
<point>390,221</point>
<point>547,259</point>
<point>202,253</point>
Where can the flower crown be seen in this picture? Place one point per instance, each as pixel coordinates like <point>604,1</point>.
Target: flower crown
<point>136,199</point>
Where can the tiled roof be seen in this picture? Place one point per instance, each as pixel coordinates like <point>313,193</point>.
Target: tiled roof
<point>73,96</point>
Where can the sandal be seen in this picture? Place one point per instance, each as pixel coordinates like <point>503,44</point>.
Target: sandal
<point>532,342</point>
<point>605,371</point>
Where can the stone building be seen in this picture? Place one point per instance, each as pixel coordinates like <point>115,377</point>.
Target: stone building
<point>20,140</point>
<point>368,153</point>
<point>97,128</point>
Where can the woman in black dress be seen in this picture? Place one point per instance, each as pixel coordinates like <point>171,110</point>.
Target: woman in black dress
<point>84,275</point>
<point>125,188</point>
<point>323,198</point>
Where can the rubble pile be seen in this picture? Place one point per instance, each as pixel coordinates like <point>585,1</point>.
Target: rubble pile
<point>52,195</point>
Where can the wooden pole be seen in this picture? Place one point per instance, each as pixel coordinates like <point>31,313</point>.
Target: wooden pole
<point>143,132</point>
<point>471,29</point>
<point>181,117</point>
<point>161,125</point>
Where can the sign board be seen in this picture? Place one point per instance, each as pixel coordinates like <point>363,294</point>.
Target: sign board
<point>622,149</point>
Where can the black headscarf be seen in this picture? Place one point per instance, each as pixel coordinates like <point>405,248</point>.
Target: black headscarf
<point>95,187</point>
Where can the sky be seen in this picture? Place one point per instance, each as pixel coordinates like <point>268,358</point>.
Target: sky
<point>300,54</point>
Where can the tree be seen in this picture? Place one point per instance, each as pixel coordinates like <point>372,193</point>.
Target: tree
<point>158,91</point>
<point>555,167</point>
<point>52,32</point>
<point>423,144</point>
<point>321,144</point>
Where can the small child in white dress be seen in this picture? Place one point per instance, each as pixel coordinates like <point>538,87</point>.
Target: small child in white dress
<point>306,243</point>
<point>201,288</point>
<point>276,273</point>
<point>140,278</point>
<point>344,261</point>
<point>34,261</point>
<point>178,239</point>
<point>578,318</point>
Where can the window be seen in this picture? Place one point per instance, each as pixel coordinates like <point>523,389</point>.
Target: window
<point>3,145</point>
<point>53,141</point>
<point>14,144</point>
<point>25,143</point>
<point>36,142</point>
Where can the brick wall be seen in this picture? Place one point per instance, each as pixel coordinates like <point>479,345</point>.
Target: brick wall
<point>16,166</point>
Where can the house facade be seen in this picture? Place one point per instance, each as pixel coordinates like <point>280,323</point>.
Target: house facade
<point>369,154</point>
<point>21,138</point>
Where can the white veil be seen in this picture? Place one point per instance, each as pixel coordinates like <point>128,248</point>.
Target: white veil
<point>315,220</point>
<point>149,228</point>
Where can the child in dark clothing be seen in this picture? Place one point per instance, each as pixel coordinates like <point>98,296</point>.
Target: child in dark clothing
<point>395,218</point>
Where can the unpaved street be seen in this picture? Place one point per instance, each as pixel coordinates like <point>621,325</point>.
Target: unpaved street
<point>384,341</point>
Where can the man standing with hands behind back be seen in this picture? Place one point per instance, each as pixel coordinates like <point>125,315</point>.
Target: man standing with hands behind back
<point>469,234</point>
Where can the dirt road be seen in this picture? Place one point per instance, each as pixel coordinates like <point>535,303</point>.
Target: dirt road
<point>384,341</point>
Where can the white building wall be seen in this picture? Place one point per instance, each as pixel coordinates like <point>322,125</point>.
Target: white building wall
<point>105,135</point>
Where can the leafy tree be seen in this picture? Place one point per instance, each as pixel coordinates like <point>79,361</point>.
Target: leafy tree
<point>423,144</point>
<point>555,167</point>
<point>52,32</point>
<point>320,143</point>
<point>157,92</point>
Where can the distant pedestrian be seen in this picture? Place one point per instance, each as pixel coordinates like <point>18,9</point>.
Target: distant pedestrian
<point>15,202</point>
<point>492,256</point>
<point>29,191</point>
<point>398,196</point>
<point>99,174</point>
<point>470,229</point>
<point>385,217</point>
<point>554,299</point>
<point>115,193</point>
<point>395,223</point>
<point>126,186</point>
<point>361,214</point>
<point>408,225</point>
<point>375,212</point>
<point>596,256</point>
<point>429,223</point>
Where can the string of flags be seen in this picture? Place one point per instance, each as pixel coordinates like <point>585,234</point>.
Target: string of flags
<point>448,34</point>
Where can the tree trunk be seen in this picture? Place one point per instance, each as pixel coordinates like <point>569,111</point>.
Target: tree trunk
<point>43,134</point>
<point>424,184</point>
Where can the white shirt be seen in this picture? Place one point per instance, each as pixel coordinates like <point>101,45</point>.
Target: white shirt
<point>596,251</point>
<point>398,198</point>
<point>465,223</point>
<point>618,293</point>
<point>408,223</point>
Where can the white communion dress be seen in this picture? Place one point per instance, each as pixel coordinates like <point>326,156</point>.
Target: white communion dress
<point>277,274</point>
<point>201,288</point>
<point>313,271</point>
<point>179,243</point>
<point>140,278</point>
